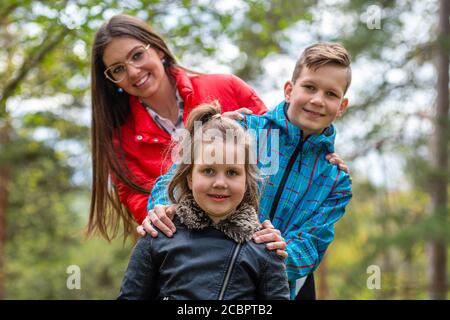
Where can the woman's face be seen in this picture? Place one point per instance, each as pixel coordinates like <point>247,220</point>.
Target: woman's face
<point>218,187</point>
<point>142,81</point>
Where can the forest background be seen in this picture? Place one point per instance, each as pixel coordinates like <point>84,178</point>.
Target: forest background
<point>393,240</point>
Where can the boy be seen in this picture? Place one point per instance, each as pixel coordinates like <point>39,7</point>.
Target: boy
<point>306,195</point>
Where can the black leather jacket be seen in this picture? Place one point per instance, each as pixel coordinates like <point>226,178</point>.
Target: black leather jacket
<point>203,261</point>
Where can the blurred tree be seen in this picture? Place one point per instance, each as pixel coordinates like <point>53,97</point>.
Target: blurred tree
<point>22,52</point>
<point>438,285</point>
<point>262,32</point>
<point>396,43</point>
<point>361,243</point>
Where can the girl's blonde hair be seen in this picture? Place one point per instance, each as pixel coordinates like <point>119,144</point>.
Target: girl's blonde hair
<point>209,114</point>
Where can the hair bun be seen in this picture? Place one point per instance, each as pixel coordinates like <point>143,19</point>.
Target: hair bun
<point>204,113</point>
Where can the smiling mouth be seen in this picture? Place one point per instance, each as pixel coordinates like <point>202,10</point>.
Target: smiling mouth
<point>316,114</point>
<point>218,197</point>
<point>142,81</point>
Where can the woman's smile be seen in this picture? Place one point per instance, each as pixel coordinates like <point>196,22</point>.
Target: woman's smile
<point>142,81</point>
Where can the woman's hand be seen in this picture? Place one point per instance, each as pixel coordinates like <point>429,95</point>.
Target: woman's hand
<point>159,218</point>
<point>272,237</point>
<point>236,114</point>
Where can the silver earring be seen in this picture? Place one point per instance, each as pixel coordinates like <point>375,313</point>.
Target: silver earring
<point>119,90</point>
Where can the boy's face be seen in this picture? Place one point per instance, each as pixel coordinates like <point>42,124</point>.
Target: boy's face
<point>316,98</point>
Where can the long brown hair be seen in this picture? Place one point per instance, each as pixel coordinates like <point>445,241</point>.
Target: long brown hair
<point>110,110</point>
<point>209,116</point>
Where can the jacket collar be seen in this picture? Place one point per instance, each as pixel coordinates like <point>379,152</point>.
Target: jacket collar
<point>144,124</point>
<point>185,88</point>
<point>239,226</point>
<point>278,119</point>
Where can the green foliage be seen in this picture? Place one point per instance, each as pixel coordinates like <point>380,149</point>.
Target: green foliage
<point>394,240</point>
<point>261,33</point>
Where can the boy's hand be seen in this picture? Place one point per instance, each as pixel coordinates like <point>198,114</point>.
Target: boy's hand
<point>160,217</point>
<point>236,114</point>
<point>272,237</point>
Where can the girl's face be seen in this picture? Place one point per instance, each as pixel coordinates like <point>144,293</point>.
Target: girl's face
<point>217,187</point>
<point>142,81</point>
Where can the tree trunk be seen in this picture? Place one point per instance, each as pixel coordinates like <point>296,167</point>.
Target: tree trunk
<point>322,271</point>
<point>437,248</point>
<point>4,189</point>
<point>409,285</point>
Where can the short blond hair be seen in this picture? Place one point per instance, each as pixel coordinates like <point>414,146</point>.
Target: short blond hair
<point>321,54</point>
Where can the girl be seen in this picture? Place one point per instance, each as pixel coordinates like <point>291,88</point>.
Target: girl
<point>211,256</point>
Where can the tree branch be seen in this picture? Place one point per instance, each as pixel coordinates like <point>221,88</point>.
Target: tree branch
<point>6,12</point>
<point>29,64</point>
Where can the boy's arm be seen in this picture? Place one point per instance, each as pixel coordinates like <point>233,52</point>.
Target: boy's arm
<point>139,280</point>
<point>307,243</point>
<point>159,193</point>
<point>251,121</point>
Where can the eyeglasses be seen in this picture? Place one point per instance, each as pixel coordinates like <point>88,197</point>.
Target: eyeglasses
<point>117,72</point>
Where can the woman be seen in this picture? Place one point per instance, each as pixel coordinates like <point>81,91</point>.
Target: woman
<point>140,95</point>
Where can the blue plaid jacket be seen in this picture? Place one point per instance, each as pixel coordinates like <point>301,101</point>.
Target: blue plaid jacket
<point>301,193</point>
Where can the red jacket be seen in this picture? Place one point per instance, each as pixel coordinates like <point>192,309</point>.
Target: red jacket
<point>144,143</point>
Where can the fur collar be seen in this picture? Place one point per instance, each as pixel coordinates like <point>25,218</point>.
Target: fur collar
<point>239,226</point>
